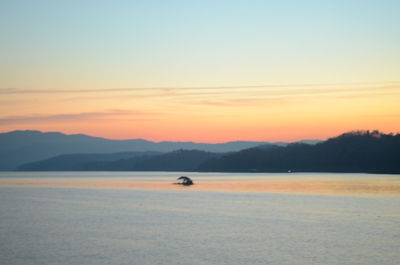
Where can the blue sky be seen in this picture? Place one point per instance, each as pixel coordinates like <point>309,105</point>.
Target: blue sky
<point>258,39</point>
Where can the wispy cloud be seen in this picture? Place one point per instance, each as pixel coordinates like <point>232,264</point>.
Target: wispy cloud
<point>218,96</point>
<point>234,102</point>
<point>84,116</point>
<point>230,87</point>
<point>221,97</point>
<point>255,98</point>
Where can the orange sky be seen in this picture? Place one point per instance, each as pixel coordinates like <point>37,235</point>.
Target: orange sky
<point>205,71</point>
<point>208,114</point>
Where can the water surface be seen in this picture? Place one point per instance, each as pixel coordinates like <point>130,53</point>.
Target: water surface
<point>309,183</point>
<point>107,225</point>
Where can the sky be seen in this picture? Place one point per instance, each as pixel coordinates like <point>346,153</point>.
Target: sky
<point>204,71</point>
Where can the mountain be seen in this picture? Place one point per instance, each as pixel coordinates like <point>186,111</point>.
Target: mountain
<point>20,147</point>
<point>84,162</point>
<point>180,160</point>
<point>359,151</point>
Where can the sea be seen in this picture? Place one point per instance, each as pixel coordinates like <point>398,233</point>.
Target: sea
<point>70,225</point>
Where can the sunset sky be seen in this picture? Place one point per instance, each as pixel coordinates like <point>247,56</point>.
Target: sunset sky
<point>205,71</point>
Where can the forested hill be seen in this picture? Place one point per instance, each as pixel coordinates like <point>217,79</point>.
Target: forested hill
<point>180,160</point>
<point>358,151</point>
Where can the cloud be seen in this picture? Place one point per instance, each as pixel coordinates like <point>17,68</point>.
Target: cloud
<point>253,98</point>
<point>168,90</point>
<point>84,116</point>
<point>65,91</point>
<point>218,95</point>
<point>234,102</point>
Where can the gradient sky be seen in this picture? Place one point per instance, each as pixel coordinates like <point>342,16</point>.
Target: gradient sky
<point>209,71</point>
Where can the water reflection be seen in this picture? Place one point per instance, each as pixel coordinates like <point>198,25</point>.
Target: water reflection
<point>321,183</point>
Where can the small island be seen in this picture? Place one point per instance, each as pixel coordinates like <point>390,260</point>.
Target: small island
<point>185,181</point>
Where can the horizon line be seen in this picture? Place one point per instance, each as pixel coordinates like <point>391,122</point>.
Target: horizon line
<point>196,142</point>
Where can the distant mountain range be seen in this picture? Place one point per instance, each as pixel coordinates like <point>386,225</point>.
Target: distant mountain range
<point>359,151</point>
<point>21,147</point>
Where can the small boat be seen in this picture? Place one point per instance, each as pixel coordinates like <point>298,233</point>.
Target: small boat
<point>185,181</point>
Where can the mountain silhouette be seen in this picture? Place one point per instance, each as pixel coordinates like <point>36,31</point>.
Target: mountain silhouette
<point>358,151</point>
<point>21,147</point>
<point>85,162</point>
<point>180,160</point>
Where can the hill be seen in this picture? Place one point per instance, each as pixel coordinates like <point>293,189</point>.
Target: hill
<point>180,160</point>
<point>359,151</point>
<point>20,147</point>
<point>84,162</point>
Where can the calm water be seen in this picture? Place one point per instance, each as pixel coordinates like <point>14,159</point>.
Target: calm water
<point>107,226</point>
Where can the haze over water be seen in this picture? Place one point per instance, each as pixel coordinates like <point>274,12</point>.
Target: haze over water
<point>81,223</point>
